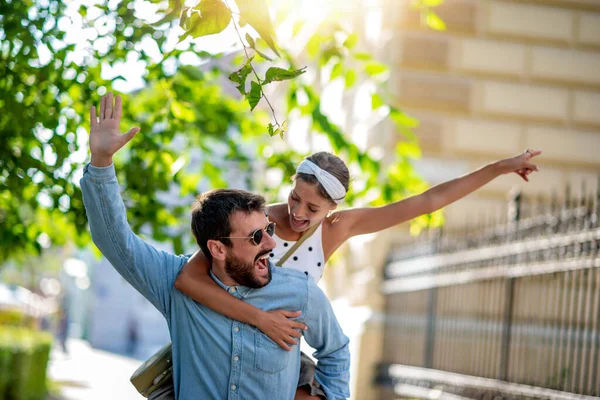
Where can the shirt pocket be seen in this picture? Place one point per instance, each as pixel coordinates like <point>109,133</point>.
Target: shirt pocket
<point>268,356</point>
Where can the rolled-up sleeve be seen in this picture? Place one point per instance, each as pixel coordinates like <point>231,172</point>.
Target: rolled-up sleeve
<point>150,271</point>
<point>325,335</point>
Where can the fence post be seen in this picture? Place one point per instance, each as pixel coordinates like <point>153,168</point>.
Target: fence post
<point>514,217</point>
<point>430,333</point>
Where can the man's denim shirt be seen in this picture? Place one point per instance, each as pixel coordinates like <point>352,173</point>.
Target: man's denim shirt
<point>215,357</point>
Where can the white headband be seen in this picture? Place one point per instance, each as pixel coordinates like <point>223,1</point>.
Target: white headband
<point>330,183</point>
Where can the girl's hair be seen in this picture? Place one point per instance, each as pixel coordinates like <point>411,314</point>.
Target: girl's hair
<point>330,163</point>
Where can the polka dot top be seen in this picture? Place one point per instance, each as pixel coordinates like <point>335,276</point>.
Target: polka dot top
<point>308,258</point>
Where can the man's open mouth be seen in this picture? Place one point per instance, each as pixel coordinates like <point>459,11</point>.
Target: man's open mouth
<point>262,263</point>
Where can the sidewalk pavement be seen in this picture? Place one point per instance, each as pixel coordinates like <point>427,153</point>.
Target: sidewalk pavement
<point>89,374</point>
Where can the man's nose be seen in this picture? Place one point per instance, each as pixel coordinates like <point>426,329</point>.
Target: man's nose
<point>268,241</point>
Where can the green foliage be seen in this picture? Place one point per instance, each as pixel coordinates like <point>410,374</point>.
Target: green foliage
<point>24,356</point>
<point>11,317</point>
<point>256,14</point>
<point>428,16</point>
<point>207,18</point>
<point>254,95</point>
<point>49,82</point>
<point>275,74</point>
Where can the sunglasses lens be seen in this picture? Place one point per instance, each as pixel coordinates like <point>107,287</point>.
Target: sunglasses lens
<point>257,236</point>
<point>271,228</point>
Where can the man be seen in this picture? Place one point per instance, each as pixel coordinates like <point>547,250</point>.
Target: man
<point>214,357</point>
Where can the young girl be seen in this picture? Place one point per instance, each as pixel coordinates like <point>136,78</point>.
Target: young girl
<point>320,184</point>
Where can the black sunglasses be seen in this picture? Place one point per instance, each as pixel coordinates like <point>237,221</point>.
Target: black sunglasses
<point>257,235</point>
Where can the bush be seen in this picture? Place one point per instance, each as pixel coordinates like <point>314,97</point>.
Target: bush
<point>12,317</point>
<point>24,356</point>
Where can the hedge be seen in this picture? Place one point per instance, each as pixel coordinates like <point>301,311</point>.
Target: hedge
<point>24,355</point>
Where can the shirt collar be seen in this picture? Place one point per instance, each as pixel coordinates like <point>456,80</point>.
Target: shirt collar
<point>242,291</point>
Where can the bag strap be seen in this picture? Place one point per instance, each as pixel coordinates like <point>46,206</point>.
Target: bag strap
<point>291,251</point>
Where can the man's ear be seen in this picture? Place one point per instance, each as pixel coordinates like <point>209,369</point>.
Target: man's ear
<point>217,249</point>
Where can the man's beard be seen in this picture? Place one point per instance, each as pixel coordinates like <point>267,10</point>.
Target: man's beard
<point>243,272</point>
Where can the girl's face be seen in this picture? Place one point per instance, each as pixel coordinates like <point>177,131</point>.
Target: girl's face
<point>306,206</point>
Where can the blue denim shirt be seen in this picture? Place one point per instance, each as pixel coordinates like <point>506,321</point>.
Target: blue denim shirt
<point>215,357</point>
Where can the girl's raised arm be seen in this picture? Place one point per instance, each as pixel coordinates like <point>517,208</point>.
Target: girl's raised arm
<point>368,220</point>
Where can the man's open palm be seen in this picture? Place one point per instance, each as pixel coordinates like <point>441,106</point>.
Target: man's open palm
<point>105,136</point>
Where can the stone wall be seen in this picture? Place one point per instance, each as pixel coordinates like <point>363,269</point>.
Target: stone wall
<point>504,76</point>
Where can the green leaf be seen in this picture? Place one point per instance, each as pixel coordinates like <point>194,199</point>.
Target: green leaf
<point>403,119</point>
<point>258,42</point>
<point>363,56</point>
<point>409,150</point>
<point>434,21</point>
<point>254,95</point>
<point>336,71</point>
<point>404,123</point>
<point>376,101</point>
<point>279,74</point>
<point>271,130</point>
<point>256,14</point>
<point>250,41</point>
<point>374,68</point>
<point>350,78</point>
<point>351,41</point>
<point>207,18</point>
<point>253,45</point>
<point>240,76</point>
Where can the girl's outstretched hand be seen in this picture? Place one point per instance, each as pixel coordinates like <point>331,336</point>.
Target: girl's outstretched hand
<point>521,164</point>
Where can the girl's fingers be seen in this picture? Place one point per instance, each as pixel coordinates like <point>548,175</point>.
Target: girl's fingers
<point>290,340</point>
<point>295,333</point>
<point>284,346</point>
<point>290,314</point>
<point>534,153</point>
<point>530,166</point>
<point>298,325</point>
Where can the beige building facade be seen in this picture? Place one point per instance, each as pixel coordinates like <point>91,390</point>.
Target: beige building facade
<point>504,76</point>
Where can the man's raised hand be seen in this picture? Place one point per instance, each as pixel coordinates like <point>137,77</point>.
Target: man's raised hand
<point>105,136</point>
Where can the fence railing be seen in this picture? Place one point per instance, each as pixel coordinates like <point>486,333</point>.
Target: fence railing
<point>515,301</point>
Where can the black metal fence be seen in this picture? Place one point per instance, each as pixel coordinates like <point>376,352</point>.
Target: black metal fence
<point>511,306</point>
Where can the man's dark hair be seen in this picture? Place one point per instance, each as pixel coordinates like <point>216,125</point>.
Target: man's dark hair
<point>212,210</point>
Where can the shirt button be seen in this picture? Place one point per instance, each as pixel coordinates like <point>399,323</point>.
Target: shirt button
<point>237,329</point>
<point>233,387</point>
<point>236,358</point>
